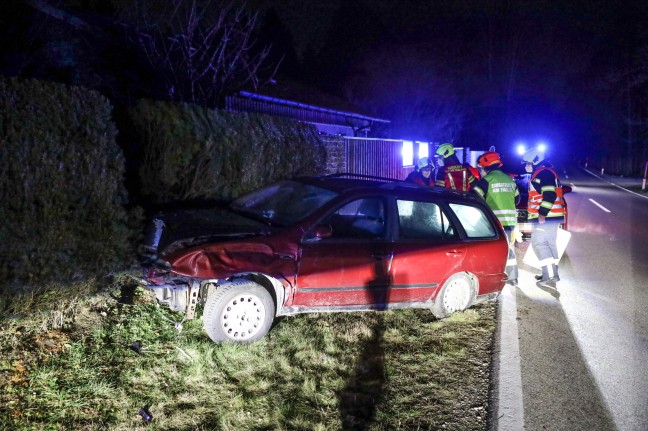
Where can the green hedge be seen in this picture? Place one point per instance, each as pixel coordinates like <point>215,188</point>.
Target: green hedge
<point>192,153</point>
<point>61,185</point>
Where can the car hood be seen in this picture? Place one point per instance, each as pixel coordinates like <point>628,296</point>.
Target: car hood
<point>188,228</point>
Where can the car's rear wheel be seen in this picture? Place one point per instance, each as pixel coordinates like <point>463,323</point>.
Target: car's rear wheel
<point>457,294</point>
<point>238,311</point>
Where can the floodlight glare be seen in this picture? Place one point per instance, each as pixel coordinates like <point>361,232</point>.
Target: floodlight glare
<point>407,153</point>
<point>542,146</point>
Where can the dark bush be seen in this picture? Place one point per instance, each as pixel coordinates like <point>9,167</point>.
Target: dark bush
<point>191,153</point>
<point>61,185</point>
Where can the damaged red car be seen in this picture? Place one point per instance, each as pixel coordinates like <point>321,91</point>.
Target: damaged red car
<point>326,244</point>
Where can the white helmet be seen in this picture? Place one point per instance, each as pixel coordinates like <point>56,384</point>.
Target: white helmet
<point>533,156</point>
<point>424,162</point>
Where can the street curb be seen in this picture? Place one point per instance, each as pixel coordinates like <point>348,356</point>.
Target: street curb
<point>507,412</point>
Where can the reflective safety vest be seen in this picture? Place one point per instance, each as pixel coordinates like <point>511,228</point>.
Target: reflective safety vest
<point>557,207</point>
<point>458,177</point>
<point>500,196</point>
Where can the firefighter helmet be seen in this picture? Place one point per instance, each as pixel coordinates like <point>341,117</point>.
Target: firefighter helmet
<point>489,158</point>
<point>533,156</point>
<point>445,150</point>
<point>424,162</point>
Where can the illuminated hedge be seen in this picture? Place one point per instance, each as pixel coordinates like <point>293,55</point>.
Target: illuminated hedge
<point>61,185</point>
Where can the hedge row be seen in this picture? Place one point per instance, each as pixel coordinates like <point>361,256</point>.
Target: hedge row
<point>61,185</point>
<point>62,194</point>
<point>192,153</point>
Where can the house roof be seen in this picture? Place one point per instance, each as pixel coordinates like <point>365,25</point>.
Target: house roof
<point>298,95</point>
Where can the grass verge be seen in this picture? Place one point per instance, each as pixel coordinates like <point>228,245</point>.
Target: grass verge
<point>89,362</point>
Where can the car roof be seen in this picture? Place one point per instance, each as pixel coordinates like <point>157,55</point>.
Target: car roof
<point>346,182</point>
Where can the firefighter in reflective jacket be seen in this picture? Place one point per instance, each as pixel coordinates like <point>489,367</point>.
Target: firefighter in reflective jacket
<point>546,212</point>
<point>501,194</point>
<point>452,174</point>
<point>423,173</point>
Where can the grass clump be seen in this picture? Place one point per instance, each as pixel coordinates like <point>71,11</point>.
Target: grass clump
<point>101,361</point>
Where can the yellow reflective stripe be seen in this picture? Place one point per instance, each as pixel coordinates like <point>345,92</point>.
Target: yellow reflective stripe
<point>479,191</point>
<point>547,204</point>
<point>547,189</point>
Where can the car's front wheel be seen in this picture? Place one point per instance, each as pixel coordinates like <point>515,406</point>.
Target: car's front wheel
<point>238,311</point>
<point>457,294</point>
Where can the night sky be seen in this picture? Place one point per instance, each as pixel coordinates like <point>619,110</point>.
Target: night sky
<point>473,72</point>
<point>523,70</point>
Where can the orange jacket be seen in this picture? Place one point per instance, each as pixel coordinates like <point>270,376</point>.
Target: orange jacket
<point>546,194</point>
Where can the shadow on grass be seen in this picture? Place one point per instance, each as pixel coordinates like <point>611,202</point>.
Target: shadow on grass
<point>365,389</point>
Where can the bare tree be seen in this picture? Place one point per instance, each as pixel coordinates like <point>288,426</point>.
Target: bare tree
<point>201,51</point>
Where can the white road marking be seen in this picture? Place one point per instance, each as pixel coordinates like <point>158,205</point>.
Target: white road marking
<point>600,206</point>
<point>615,185</point>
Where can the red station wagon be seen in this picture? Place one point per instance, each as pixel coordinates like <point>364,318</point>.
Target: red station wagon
<point>323,244</point>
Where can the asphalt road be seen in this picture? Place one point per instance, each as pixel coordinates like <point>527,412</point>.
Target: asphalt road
<point>581,351</point>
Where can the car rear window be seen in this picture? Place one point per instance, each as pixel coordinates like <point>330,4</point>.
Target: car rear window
<point>474,221</point>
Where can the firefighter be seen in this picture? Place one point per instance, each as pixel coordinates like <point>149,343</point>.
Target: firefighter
<point>452,174</point>
<point>501,194</point>
<point>423,173</point>
<point>546,212</point>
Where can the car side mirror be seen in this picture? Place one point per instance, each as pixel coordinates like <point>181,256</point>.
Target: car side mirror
<point>320,231</point>
<point>567,189</point>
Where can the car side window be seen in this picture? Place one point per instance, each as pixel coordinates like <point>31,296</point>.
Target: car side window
<point>474,221</point>
<point>423,220</point>
<point>362,218</point>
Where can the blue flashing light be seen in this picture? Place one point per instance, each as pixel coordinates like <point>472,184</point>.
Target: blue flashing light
<point>542,146</point>
<point>521,148</point>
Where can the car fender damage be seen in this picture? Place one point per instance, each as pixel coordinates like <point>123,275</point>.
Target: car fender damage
<point>218,261</point>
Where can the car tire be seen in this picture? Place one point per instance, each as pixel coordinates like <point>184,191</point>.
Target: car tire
<point>238,311</point>
<point>457,294</point>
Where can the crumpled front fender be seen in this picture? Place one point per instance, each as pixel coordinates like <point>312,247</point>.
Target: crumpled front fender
<point>221,261</point>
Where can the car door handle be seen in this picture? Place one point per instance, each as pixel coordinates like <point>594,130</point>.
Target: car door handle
<point>454,252</point>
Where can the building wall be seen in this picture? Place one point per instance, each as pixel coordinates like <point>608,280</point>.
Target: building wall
<point>335,154</point>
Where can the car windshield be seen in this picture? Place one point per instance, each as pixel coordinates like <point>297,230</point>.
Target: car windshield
<point>284,203</point>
